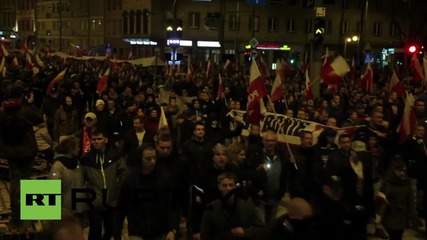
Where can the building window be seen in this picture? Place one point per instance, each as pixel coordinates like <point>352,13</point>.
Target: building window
<point>290,26</point>
<point>272,24</point>
<point>393,29</point>
<point>138,21</point>
<point>377,30</point>
<point>331,2</point>
<point>344,27</point>
<point>359,27</point>
<point>233,23</point>
<point>193,20</point>
<point>84,25</point>
<point>307,4</point>
<point>145,22</point>
<point>132,22</point>
<point>309,26</point>
<point>125,22</point>
<point>254,21</point>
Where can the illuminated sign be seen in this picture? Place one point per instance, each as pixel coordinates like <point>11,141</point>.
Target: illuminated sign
<point>208,44</point>
<point>182,43</point>
<point>262,46</point>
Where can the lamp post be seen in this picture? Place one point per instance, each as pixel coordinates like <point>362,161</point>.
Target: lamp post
<point>349,40</point>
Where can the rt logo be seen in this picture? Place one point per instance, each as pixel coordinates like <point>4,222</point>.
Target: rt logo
<point>40,199</point>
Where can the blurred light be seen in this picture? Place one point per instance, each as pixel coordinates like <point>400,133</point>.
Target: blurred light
<point>208,44</point>
<point>412,49</point>
<point>355,38</point>
<point>169,28</point>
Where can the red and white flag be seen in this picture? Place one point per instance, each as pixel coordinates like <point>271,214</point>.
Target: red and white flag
<point>24,47</point>
<point>308,86</point>
<point>28,62</point>
<point>208,69</point>
<point>396,85</point>
<point>334,71</point>
<point>367,80</point>
<point>103,82</point>
<point>257,91</point>
<point>417,69</point>
<point>39,62</point>
<point>163,122</point>
<point>4,50</point>
<point>227,65</point>
<point>408,121</point>
<point>277,91</point>
<point>15,62</point>
<point>190,71</point>
<point>56,80</point>
<point>265,72</point>
<point>3,62</point>
<point>221,87</point>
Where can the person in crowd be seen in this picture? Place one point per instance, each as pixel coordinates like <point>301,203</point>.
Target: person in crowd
<point>17,144</point>
<point>396,200</point>
<point>148,200</point>
<point>85,134</point>
<point>66,120</point>
<point>44,141</point>
<point>242,218</point>
<point>136,138</point>
<point>66,167</point>
<point>68,228</point>
<point>51,104</point>
<point>101,115</point>
<point>103,170</point>
<point>271,183</point>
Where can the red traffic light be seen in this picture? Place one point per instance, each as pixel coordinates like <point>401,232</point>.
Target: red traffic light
<point>413,48</point>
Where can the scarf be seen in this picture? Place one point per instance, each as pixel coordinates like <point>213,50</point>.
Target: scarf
<point>86,140</point>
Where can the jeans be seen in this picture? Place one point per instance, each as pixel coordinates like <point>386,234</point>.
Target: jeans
<point>19,168</point>
<point>266,210</point>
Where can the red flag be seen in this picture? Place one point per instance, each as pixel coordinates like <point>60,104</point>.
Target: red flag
<point>367,80</point>
<point>277,91</point>
<point>221,87</point>
<point>408,121</point>
<point>333,72</point>
<point>208,69</point>
<point>264,68</point>
<point>190,71</point>
<point>55,81</point>
<point>103,82</point>
<point>257,91</point>
<point>417,69</point>
<point>396,86</point>
<point>24,47</point>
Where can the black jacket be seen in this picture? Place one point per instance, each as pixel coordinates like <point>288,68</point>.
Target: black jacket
<point>131,145</point>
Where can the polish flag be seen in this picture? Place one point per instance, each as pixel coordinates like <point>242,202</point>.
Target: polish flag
<point>39,62</point>
<point>15,62</point>
<point>396,86</point>
<point>190,71</point>
<point>103,82</point>
<point>277,91</point>
<point>24,47</point>
<point>76,49</point>
<point>417,69</point>
<point>367,80</point>
<point>227,65</point>
<point>221,87</point>
<point>257,91</point>
<point>308,86</point>
<point>264,68</point>
<point>4,50</point>
<point>56,80</point>
<point>333,72</point>
<point>163,122</point>
<point>408,121</point>
<point>28,61</point>
<point>208,69</point>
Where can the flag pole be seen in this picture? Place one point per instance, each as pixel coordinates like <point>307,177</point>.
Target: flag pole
<point>290,152</point>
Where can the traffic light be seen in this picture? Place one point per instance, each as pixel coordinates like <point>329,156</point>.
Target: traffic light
<point>174,29</point>
<point>412,48</point>
<point>319,30</point>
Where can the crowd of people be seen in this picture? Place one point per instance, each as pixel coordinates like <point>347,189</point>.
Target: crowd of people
<point>199,169</point>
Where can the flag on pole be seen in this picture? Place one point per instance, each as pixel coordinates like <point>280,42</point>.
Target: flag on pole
<point>4,50</point>
<point>103,82</point>
<point>39,62</point>
<point>227,65</point>
<point>257,91</point>
<point>264,68</point>
<point>221,87</point>
<point>15,62</point>
<point>208,69</point>
<point>190,71</point>
<point>308,86</point>
<point>277,91</point>
<point>163,122</point>
<point>56,80</point>
<point>396,85</point>
<point>367,80</point>
<point>408,121</point>
<point>417,69</point>
<point>3,62</point>
<point>28,61</point>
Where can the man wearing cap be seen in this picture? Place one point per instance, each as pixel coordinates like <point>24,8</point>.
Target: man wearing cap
<point>85,134</point>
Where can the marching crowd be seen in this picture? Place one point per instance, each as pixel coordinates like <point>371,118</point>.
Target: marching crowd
<point>199,169</point>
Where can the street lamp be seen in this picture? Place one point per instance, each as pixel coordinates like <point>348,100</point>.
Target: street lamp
<point>349,40</point>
